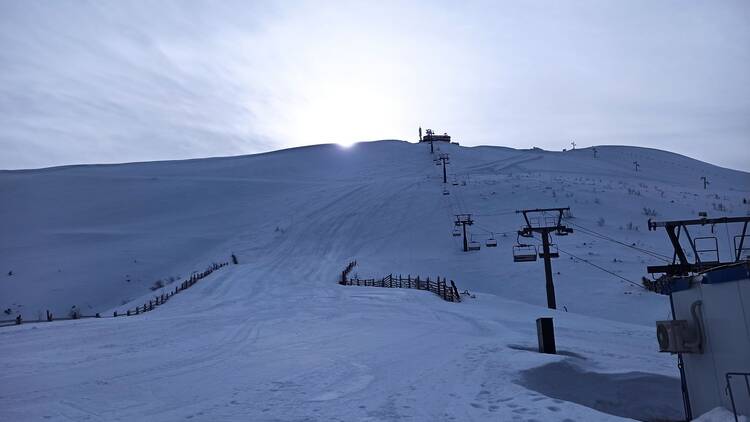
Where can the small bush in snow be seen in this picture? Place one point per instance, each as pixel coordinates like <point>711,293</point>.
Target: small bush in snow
<point>600,222</point>
<point>158,284</point>
<point>650,212</point>
<point>630,226</point>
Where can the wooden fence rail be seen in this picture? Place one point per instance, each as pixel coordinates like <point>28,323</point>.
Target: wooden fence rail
<point>438,286</point>
<point>140,309</point>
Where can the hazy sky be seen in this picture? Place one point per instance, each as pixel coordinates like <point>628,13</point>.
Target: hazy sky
<point>114,81</point>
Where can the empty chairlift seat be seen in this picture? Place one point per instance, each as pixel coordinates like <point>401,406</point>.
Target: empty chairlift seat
<point>445,192</point>
<point>491,242</point>
<point>456,232</point>
<point>553,251</point>
<point>474,245</point>
<point>524,253</point>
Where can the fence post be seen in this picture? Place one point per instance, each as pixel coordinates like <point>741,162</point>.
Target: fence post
<point>49,315</point>
<point>455,291</point>
<point>128,312</point>
<point>19,320</point>
<point>114,314</point>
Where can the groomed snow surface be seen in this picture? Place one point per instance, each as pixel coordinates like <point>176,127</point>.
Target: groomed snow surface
<point>276,339</point>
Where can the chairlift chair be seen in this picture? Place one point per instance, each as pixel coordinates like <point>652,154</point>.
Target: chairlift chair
<point>553,251</point>
<point>491,242</point>
<point>446,192</point>
<point>524,253</point>
<point>474,245</point>
<point>456,232</point>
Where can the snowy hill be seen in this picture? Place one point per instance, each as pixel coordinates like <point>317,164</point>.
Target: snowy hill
<point>97,236</point>
<point>276,339</point>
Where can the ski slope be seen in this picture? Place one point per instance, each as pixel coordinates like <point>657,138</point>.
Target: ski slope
<point>275,338</point>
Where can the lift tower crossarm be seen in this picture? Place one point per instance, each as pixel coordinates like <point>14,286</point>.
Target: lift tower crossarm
<point>652,225</point>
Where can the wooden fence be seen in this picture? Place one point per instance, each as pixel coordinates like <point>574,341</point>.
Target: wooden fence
<point>438,286</point>
<point>140,309</point>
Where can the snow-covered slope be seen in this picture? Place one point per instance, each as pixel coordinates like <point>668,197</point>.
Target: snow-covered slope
<point>97,236</point>
<point>276,339</point>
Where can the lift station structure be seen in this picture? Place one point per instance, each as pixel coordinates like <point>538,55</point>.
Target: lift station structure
<point>710,326</point>
<point>431,136</point>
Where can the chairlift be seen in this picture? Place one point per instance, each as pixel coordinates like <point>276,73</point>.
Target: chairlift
<point>445,192</point>
<point>553,251</point>
<point>456,232</point>
<point>455,182</point>
<point>474,245</point>
<point>561,232</point>
<point>491,242</point>
<point>524,253</point>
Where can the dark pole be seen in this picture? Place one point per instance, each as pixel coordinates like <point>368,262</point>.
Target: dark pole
<point>548,271</point>
<point>681,367</point>
<point>445,177</point>
<point>432,150</point>
<point>466,244</point>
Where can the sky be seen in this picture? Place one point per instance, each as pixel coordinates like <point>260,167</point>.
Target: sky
<point>119,81</point>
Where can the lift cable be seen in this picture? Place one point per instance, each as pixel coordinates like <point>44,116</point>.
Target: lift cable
<point>605,237</point>
<point>598,267</point>
<point>497,214</point>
